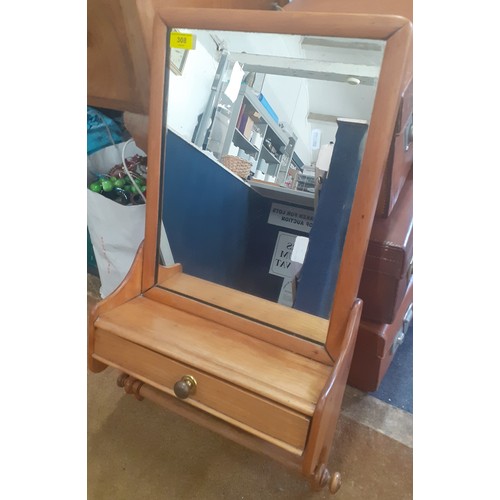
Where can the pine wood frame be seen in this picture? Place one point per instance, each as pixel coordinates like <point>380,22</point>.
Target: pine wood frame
<point>397,32</point>
<point>342,329</point>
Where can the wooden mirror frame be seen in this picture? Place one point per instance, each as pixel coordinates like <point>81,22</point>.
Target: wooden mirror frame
<point>332,362</point>
<point>395,30</point>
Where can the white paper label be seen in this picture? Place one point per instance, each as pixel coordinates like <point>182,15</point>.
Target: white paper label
<point>281,264</point>
<point>233,87</point>
<point>300,219</point>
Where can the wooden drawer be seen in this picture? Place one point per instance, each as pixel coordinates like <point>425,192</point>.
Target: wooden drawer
<point>259,416</point>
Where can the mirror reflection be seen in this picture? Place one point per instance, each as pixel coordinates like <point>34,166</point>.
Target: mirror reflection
<point>265,135</point>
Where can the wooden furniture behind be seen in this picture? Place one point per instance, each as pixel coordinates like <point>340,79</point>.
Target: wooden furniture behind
<point>274,386</point>
<point>119,47</point>
<point>377,343</point>
<point>119,54</point>
<point>388,265</point>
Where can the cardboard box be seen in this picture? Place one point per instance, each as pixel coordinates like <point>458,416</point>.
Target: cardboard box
<point>248,128</point>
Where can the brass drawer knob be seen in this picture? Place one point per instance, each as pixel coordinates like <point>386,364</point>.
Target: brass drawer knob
<point>185,387</point>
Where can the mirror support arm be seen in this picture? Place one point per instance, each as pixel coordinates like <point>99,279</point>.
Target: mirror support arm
<point>129,288</point>
<point>326,415</point>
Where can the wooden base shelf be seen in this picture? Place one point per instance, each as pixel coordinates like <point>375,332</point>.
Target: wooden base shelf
<point>282,317</point>
<point>159,345</point>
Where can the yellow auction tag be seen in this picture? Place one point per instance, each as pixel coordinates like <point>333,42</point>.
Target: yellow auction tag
<point>185,41</point>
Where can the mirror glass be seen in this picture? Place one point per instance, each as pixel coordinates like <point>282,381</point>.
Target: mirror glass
<point>265,136</point>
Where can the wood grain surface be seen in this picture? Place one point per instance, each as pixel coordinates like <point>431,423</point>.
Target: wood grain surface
<point>212,395</point>
<point>270,313</point>
<point>269,371</point>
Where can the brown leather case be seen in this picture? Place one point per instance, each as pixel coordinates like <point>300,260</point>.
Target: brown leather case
<point>400,158</point>
<point>376,346</point>
<point>388,264</point>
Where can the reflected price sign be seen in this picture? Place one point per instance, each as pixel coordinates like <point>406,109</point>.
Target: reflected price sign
<point>281,265</point>
<point>300,219</point>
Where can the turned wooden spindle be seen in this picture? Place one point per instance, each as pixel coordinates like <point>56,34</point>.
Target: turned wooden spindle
<point>136,387</point>
<point>128,385</point>
<point>323,477</point>
<point>131,385</point>
<point>120,381</point>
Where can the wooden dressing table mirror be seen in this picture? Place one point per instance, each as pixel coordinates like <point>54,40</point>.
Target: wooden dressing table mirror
<point>215,336</point>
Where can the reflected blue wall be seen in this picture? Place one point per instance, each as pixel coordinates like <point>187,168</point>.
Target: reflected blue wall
<point>205,211</point>
<point>217,225</point>
<point>319,273</point>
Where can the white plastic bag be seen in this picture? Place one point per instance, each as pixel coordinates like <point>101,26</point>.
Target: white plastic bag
<point>116,231</point>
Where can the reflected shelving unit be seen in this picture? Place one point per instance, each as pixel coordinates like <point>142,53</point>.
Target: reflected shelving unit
<point>247,126</point>
<point>305,183</point>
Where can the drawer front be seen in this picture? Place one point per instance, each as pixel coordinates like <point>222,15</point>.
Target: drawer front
<point>285,427</point>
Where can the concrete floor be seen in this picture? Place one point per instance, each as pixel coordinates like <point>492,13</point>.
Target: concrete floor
<point>137,450</point>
